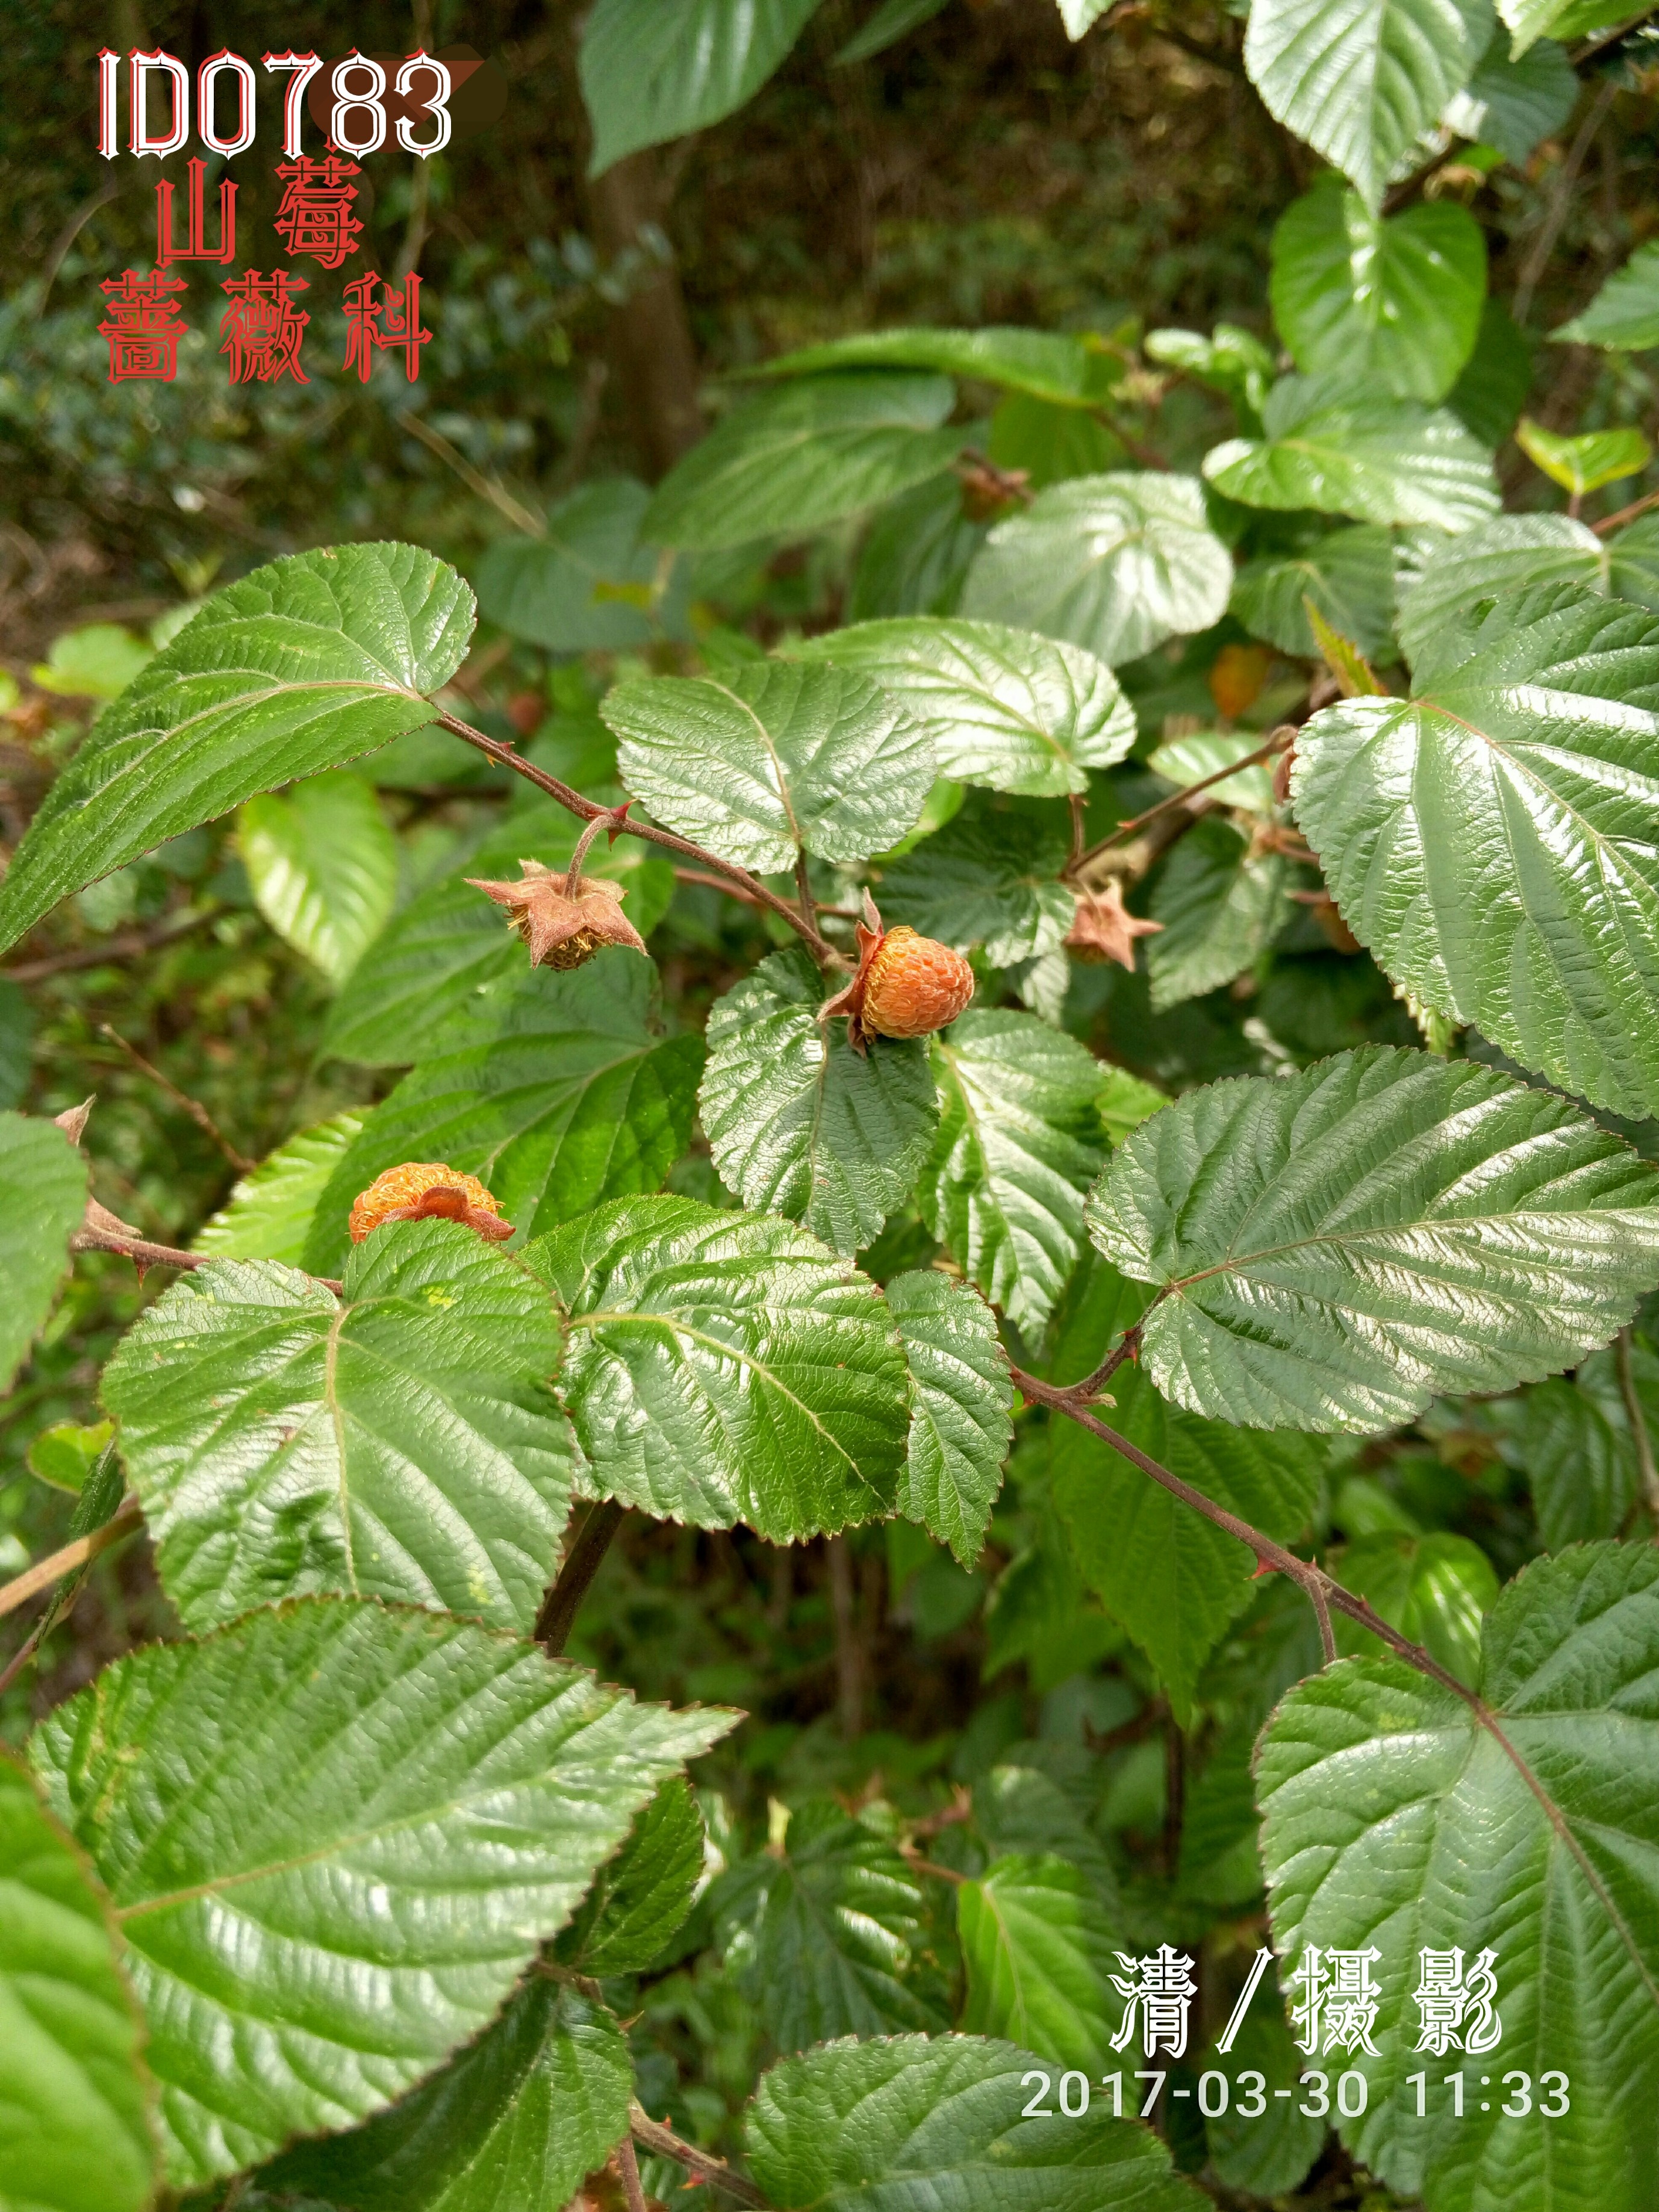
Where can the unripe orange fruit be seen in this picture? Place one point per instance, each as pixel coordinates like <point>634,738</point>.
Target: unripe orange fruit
<point>906,986</point>
<point>426,1190</point>
<point>1237,679</point>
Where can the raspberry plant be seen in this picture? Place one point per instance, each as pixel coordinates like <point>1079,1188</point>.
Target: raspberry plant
<point>350,1896</point>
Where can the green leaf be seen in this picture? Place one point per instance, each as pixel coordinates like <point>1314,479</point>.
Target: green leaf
<point>892,21</point>
<point>1576,1445</point>
<point>1526,19</point>
<point>831,1951</point>
<point>1433,1589</point>
<point>781,754</point>
<point>915,555</point>
<point>1504,556</point>
<point>961,1427</point>
<point>1189,760</point>
<point>1397,298</point>
<point>645,1892</point>
<point>66,1454</point>
<point>1496,378</point>
<point>1048,364</point>
<point>1005,707</point>
<point>932,2124</point>
<point>1231,361</point>
<point>1397,1814</point>
<point>1490,840</point>
<point>1269,2154</point>
<point>1048,442</point>
<point>323,865</point>
<point>268,1215</point>
<point>422,983</point>
<point>790,459</point>
<point>1039,1951</point>
<point>1020,1809</point>
<point>285,1814</point>
<point>726,1367</point>
<point>1584,464</point>
<point>1173,1580</point>
<point>1513,104</point>
<point>1334,1248</point>
<point>1220,909</point>
<point>1361,81</point>
<point>96,662</point>
<point>299,667</point>
<point>1624,316</point>
<point>399,1441</point>
<point>74,2124</point>
<point>650,74</point>
<point>989,879</point>
<point>43,1197</point>
<point>566,1094</point>
<point>1126,1102</point>
<point>799,1123</point>
<point>1348,575</point>
<point>1116,563</point>
<point>586,585</point>
<point>519,2117</point>
<point>1019,1137</point>
<point>1346,445</point>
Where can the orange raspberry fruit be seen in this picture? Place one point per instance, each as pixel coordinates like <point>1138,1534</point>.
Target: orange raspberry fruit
<point>906,986</point>
<point>426,1190</point>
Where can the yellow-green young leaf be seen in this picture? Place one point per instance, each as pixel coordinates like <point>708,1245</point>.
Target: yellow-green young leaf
<point>1333,1249</point>
<point>1039,1951</point>
<point>1231,361</point>
<point>516,2119</point>
<point>1398,1816</point>
<point>936,2124</point>
<point>1584,464</point>
<point>64,1455</point>
<point>323,863</point>
<point>800,1124</point>
<point>268,1215</point>
<point>97,662</point>
<point>1126,1102</point>
<point>400,1442</point>
<point>1048,364</point>
<point>643,1895</point>
<point>1624,316</point>
<point>75,2133</point>
<point>1348,577</point>
<point>801,455</point>
<point>650,74</point>
<point>1354,676</point>
<point>1396,297</point>
<point>1495,839</point>
<point>1220,910</point>
<point>1433,1589</point>
<point>990,878</point>
<point>1116,563</point>
<point>726,1367</point>
<point>255,1802</point>
<point>43,1197</point>
<point>1003,707</point>
<point>960,1425</point>
<point>301,666</point>
<point>780,755</point>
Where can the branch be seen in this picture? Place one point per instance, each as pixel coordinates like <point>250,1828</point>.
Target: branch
<point>750,886</point>
<point>57,1565</point>
<point>1280,738</point>
<point>143,1254</point>
<point>130,945</point>
<point>197,1113</point>
<point>570,1586</point>
<point>663,2142</point>
<point>1612,522</point>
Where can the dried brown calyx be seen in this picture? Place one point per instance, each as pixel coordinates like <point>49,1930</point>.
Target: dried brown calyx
<point>564,923</point>
<point>1105,929</point>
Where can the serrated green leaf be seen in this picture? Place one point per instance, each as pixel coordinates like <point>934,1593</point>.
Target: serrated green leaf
<point>1363,80</point>
<point>323,865</point>
<point>989,879</point>
<point>1039,1952</point>
<point>1433,1589</point>
<point>915,555</point>
<point>1513,552</point>
<point>1513,103</point>
<point>1005,707</point>
<point>64,1455</point>
<point>1048,442</point>
<point>803,454</point>
<point>1189,760</point>
<point>255,1803</point>
<point>1575,1444</point>
<point>301,666</point>
<point>43,1197</point>
<point>1020,1809</point>
<point>1333,1248</point>
<point>567,1096</point>
<point>961,1427</point>
<point>799,1122</point>
<point>780,755</point>
<point>1397,1815</point>
<point>578,587</point>
<point>933,2125</point>
<point>1624,316</point>
<point>1220,909</point>
<point>726,1367</point>
<point>424,981</point>
<point>1395,297</point>
<point>518,2118</point>
<point>1019,1137</point>
<point>1584,464</point>
<point>1266,2154</point>
<point>1346,445</point>
<point>1048,364</point>
<point>1348,575</point>
<point>650,74</point>
<point>1492,840</point>
<point>268,1215</point>
<point>399,1441</point>
<point>642,1896</point>
<point>1116,563</point>
<point>74,2121</point>
<point>1126,1102</point>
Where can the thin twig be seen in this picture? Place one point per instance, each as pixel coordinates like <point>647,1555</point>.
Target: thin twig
<point>197,1113</point>
<point>1638,1426</point>
<point>501,500</point>
<point>1609,523</point>
<point>42,1575</point>
<point>662,2143</point>
<point>1078,803</point>
<point>1089,1386</point>
<point>1538,260</point>
<point>56,1609</point>
<point>913,1859</point>
<point>628,2167</point>
<point>130,945</point>
<point>590,830</point>
<point>571,1585</point>
<point>804,888</point>
<point>143,1254</point>
<point>1282,737</point>
<point>750,886</point>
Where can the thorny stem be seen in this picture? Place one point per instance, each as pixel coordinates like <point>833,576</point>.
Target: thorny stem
<point>662,2143</point>
<point>143,1254</point>
<point>197,1113</point>
<point>750,886</point>
<point>57,1565</point>
<point>1280,738</point>
<point>575,1578</point>
<point>1638,1426</point>
<point>628,2167</point>
<point>1089,1386</point>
